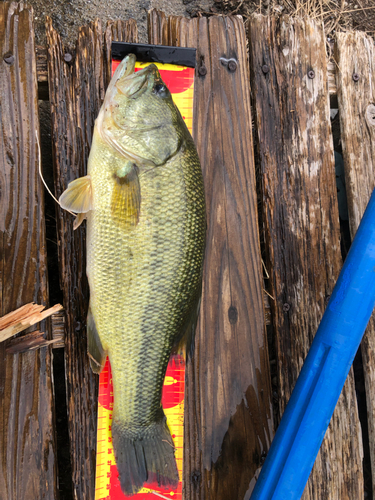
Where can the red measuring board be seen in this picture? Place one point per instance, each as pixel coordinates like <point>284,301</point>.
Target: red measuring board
<point>180,81</point>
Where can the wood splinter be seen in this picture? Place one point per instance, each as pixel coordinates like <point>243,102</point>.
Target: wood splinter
<point>22,318</point>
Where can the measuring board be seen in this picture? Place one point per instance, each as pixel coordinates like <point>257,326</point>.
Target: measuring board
<point>180,81</point>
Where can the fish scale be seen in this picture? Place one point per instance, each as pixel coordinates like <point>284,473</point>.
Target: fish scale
<point>135,326</point>
<point>145,248</point>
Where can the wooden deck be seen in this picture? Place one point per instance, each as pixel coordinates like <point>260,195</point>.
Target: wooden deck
<point>263,132</point>
<point>27,437</point>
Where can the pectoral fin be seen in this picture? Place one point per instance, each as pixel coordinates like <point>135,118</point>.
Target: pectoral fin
<point>95,349</point>
<point>78,195</point>
<point>126,195</point>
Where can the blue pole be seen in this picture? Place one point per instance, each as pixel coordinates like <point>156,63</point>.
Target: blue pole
<point>311,405</point>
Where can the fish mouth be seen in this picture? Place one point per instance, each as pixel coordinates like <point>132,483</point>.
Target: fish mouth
<point>126,81</point>
<point>132,85</point>
<point>124,69</point>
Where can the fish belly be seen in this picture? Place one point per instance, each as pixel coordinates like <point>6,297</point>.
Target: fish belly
<point>143,282</point>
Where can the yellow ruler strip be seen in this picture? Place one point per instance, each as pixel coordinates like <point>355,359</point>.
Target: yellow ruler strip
<point>180,81</point>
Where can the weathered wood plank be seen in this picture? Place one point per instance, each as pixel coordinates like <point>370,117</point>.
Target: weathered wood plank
<point>42,72</point>
<point>228,417</point>
<point>41,64</point>
<point>356,97</point>
<point>72,86</point>
<point>121,31</point>
<point>27,441</point>
<point>157,27</point>
<point>301,223</point>
<point>158,31</point>
<point>76,88</point>
<point>28,342</point>
<point>58,329</point>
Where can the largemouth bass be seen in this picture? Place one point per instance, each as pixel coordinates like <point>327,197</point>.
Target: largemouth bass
<point>143,198</point>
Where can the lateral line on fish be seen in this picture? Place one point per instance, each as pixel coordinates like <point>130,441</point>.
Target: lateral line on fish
<point>41,175</point>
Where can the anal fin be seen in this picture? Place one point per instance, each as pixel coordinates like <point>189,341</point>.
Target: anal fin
<point>95,351</point>
<point>186,342</point>
<point>78,220</point>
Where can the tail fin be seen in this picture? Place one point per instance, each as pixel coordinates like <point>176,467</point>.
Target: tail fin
<point>144,456</point>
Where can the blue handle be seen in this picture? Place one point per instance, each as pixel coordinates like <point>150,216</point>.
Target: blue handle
<point>317,390</point>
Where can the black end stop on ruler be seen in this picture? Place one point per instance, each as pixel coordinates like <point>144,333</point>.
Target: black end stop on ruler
<point>182,56</point>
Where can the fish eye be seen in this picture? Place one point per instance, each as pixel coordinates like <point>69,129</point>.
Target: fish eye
<point>160,90</point>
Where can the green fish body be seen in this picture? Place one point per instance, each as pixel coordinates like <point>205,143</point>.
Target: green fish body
<point>143,199</point>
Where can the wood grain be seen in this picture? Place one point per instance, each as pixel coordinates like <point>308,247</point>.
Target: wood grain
<point>157,27</point>
<point>121,31</point>
<point>301,223</point>
<point>23,317</point>
<point>58,329</point>
<point>158,30</point>
<point>28,342</point>
<point>356,56</point>
<point>27,441</point>
<point>76,90</point>
<point>42,72</point>
<point>228,415</point>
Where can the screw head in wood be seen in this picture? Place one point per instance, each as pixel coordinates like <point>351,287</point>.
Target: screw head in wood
<point>355,77</point>
<point>232,315</point>
<point>232,65</point>
<point>202,70</point>
<point>265,69</point>
<point>311,74</point>
<point>195,477</point>
<point>68,57</point>
<point>370,115</point>
<point>286,307</point>
<point>8,58</point>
